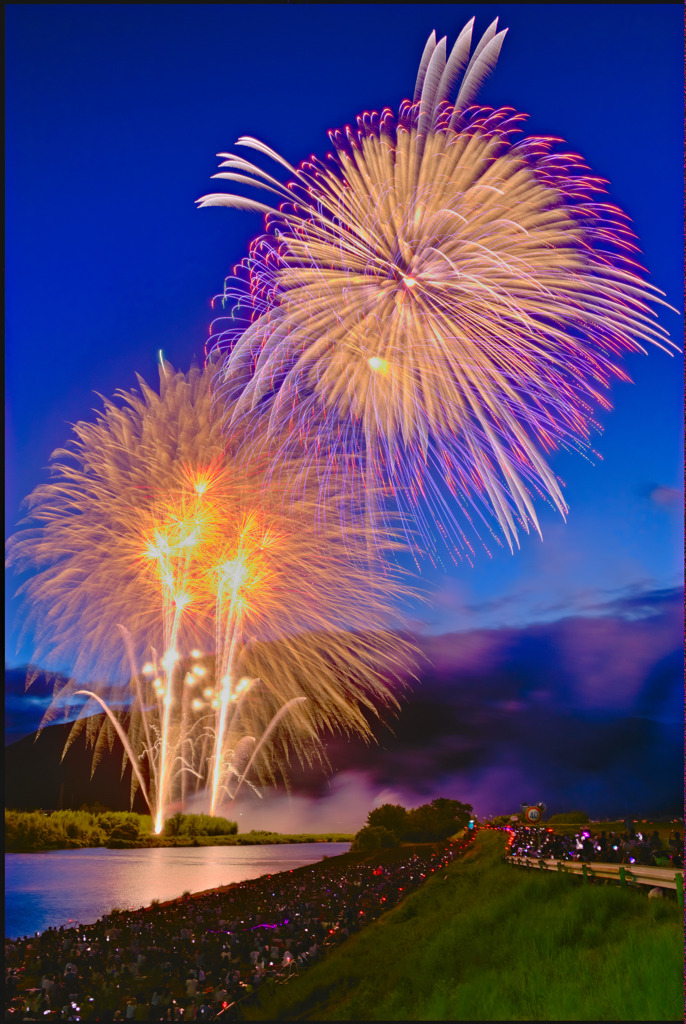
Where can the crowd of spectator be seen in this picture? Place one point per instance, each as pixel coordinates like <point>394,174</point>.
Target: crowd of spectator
<point>629,847</point>
<point>197,957</point>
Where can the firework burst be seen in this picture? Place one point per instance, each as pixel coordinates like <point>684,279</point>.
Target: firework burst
<point>158,539</point>
<point>443,300</point>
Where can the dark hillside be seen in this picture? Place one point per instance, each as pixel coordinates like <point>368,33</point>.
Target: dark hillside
<point>36,777</point>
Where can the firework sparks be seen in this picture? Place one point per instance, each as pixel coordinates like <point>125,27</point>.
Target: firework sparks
<point>157,530</point>
<point>444,299</point>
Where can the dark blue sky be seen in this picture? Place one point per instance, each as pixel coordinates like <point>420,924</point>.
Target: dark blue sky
<point>114,116</point>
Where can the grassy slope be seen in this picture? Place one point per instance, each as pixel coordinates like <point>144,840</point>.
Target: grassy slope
<point>487,941</point>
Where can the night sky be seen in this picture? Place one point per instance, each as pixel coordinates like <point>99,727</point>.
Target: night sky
<point>552,674</point>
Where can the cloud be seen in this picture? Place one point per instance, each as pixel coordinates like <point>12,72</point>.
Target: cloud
<point>24,709</point>
<point>341,805</point>
<point>665,497</point>
<point>582,711</point>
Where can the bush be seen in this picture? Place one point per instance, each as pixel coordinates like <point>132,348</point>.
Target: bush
<point>127,830</point>
<point>64,830</point>
<point>373,837</point>
<point>31,830</point>
<point>199,825</point>
<point>210,825</point>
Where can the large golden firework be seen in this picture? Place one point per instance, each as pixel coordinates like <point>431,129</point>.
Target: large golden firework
<point>246,623</point>
<point>445,302</point>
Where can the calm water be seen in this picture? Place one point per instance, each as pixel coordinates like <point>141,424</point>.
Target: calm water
<point>44,890</point>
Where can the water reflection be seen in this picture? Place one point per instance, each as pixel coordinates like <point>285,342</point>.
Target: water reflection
<point>44,890</point>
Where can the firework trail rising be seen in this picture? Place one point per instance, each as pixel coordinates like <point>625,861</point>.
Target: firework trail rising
<point>443,298</point>
<point>159,539</point>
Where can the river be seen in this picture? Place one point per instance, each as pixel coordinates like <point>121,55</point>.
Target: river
<point>63,887</point>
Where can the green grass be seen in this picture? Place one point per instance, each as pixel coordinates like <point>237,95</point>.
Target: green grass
<point>488,941</point>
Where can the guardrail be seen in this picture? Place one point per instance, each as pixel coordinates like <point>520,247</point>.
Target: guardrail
<point>636,874</point>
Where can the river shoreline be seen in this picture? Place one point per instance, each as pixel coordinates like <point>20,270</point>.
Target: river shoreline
<point>218,889</point>
<point>65,887</point>
<point>156,843</point>
<point>246,937</point>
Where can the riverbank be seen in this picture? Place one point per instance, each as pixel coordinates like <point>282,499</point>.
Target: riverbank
<point>41,831</point>
<point>52,889</point>
<point>451,933</point>
<point>215,947</point>
<point>164,843</point>
<point>486,941</point>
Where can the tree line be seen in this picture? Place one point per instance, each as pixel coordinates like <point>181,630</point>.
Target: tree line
<point>68,830</point>
<point>392,824</point>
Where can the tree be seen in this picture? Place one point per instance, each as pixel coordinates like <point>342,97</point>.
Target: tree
<point>373,837</point>
<point>390,816</point>
<point>453,814</point>
<point>438,820</point>
<point>175,825</point>
<point>127,830</point>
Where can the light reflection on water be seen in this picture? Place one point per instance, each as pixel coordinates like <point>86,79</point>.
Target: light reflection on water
<point>44,890</point>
